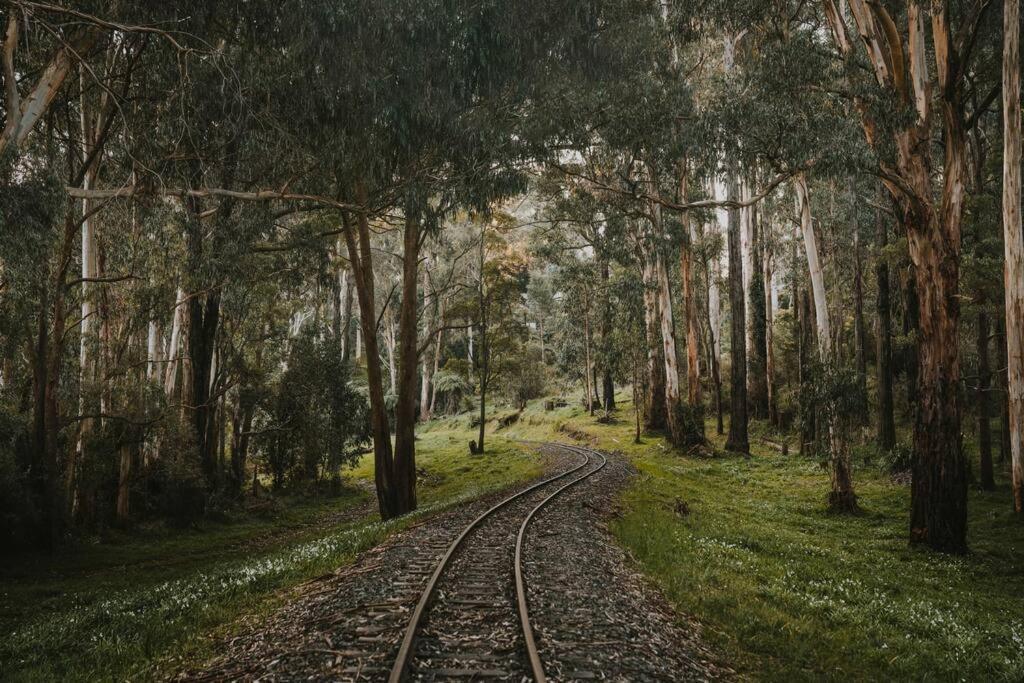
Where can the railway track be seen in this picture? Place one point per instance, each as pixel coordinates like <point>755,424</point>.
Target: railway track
<point>472,619</point>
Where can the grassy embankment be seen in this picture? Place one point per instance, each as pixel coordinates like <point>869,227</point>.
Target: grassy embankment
<point>783,588</point>
<point>123,607</point>
<point>786,590</point>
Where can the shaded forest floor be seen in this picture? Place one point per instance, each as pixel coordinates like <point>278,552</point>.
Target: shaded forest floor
<point>126,605</point>
<point>783,588</point>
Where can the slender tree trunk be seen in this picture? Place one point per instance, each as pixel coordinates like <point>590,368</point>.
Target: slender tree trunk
<point>886,414</point>
<point>769,329</point>
<point>747,253</point>
<point>346,316</point>
<point>390,343</point>
<point>636,398</point>
<point>689,299</point>
<point>484,350</point>
<point>357,239</point>
<point>842,496</point>
<point>1013,245</point>
<point>174,345</point>
<point>607,383</point>
<point>90,342</point>
<point>737,441</point>
<point>757,362</point>
<point>588,370</point>
<point>655,400</point>
<point>437,361</point>
<point>988,481</point>
<point>408,362</point>
<point>808,412</point>
<point>428,362</point>
<point>204,316</point>
<point>681,433</point>
<point>859,333</point>
<point>719,227</point>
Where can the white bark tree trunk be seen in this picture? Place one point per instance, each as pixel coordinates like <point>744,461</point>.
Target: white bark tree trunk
<point>814,265</point>
<point>173,351</point>
<point>747,252</point>
<point>719,227</point>
<point>1013,240</point>
<point>153,350</point>
<point>841,496</point>
<point>668,334</point>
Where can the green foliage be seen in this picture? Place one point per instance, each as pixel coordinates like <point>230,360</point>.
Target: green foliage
<point>317,421</point>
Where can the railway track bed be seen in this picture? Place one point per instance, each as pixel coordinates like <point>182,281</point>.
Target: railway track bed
<point>522,586</point>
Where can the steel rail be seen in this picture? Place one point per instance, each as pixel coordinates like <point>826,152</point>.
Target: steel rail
<point>401,665</point>
<point>524,616</point>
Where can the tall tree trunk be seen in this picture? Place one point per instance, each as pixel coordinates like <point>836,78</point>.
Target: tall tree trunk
<point>808,412</point>
<point>673,398</point>
<point>357,239</point>
<point>747,252</point>
<point>757,383</point>
<point>437,361</point>
<point>689,298</point>
<point>203,318</point>
<point>90,341</point>
<point>769,326</point>
<point>346,316</point>
<point>886,437</point>
<point>933,224</point>
<point>484,351</point>
<point>842,496</point>
<point>655,417</point>
<point>988,481</point>
<point>719,227</point>
<point>939,490</point>
<point>428,363</point>
<point>408,362</point>
<point>607,383</point>
<point>737,441</point>
<point>588,369</point>
<point>1013,245</point>
<point>859,333</point>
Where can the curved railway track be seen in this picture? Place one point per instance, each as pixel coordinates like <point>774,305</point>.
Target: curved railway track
<point>461,625</point>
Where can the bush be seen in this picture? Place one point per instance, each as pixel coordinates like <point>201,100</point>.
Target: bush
<point>317,421</point>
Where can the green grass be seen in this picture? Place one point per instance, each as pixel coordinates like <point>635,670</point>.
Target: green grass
<point>783,588</point>
<point>144,601</point>
<point>786,590</point>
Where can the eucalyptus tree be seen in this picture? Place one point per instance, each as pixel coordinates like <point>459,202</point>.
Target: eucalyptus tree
<point>1014,244</point>
<point>906,97</point>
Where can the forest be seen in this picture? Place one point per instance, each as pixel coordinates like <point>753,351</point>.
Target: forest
<point>461,339</point>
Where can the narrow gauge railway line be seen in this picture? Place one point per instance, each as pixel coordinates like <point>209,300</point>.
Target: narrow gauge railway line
<point>472,619</point>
